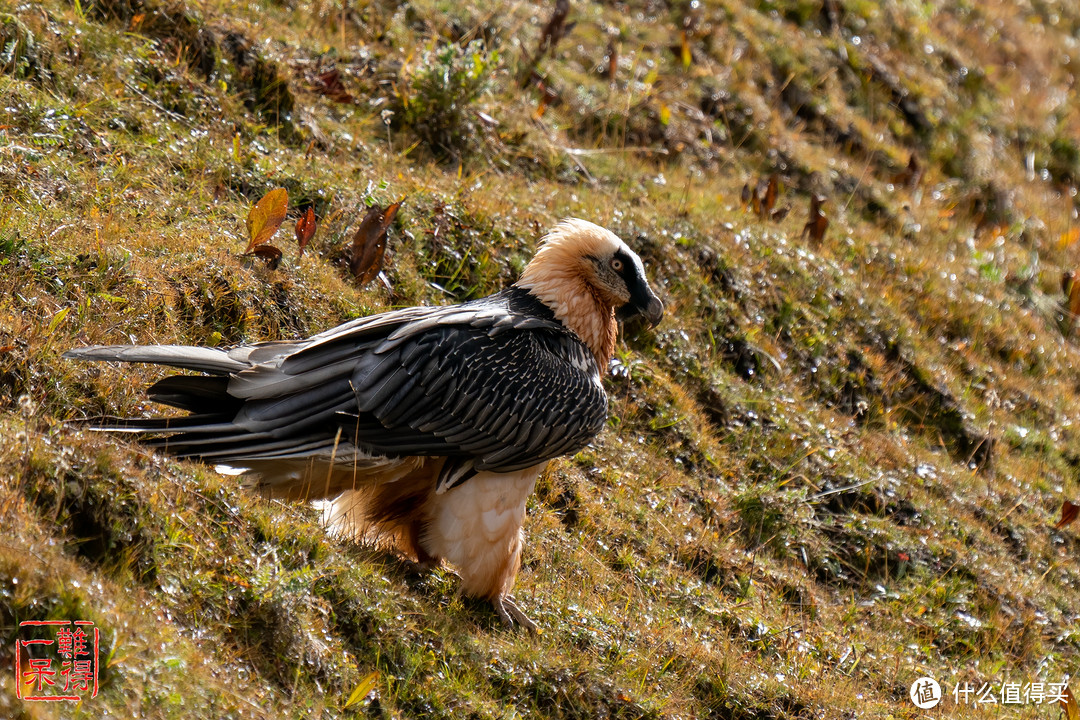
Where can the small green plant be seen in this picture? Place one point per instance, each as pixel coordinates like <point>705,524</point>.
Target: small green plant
<point>11,246</point>
<point>19,56</point>
<point>436,100</point>
<point>762,518</point>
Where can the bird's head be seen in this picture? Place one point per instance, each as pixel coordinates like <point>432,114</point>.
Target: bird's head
<point>577,255</point>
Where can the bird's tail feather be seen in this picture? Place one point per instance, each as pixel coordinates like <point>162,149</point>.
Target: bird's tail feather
<point>148,425</point>
<point>209,360</point>
<point>198,394</point>
<point>263,437</point>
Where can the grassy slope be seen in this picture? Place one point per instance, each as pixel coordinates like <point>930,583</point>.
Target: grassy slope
<point>829,471</point>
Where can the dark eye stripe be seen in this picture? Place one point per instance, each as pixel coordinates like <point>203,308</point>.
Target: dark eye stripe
<point>628,271</point>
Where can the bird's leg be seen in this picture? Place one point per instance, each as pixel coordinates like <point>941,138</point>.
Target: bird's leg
<point>424,559</point>
<point>510,613</point>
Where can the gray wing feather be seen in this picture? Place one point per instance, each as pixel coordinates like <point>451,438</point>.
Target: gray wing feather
<point>492,387</point>
<point>208,360</point>
<point>508,400</point>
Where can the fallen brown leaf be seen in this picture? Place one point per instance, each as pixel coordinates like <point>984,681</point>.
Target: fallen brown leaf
<point>1068,704</point>
<point>305,229</point>
<point>612,60</point>
<point>266,217</point>
<point>756,195</point>
<point>1069,511</point>
<point>1074,298</point>
<point>772,192</point>
<point>329,83</point>
<point>908,177</point>
<point>369,242</point>
<point>817,224</point>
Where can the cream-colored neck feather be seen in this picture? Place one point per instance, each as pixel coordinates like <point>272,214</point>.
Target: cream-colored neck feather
<point>559,276</point>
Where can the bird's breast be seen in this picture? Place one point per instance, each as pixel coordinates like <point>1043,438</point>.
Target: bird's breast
<point>476,526</point>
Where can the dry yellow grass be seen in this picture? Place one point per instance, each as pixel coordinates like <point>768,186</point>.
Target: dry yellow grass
<point>785,517</point>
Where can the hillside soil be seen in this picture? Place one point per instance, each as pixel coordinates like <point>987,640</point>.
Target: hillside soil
<point>838,465</point>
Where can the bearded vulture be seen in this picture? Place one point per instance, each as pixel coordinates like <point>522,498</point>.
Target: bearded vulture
<point>427,426</point>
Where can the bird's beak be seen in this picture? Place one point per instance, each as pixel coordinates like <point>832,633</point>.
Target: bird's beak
<point>654,310</point>
<point>651,309</point>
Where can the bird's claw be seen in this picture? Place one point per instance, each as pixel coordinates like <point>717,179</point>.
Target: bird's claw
<point>510,613</point>
<point>425,565</point>
<point>417,570</point>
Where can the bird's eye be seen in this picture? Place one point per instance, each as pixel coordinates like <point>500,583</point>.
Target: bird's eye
<point>616,264</point>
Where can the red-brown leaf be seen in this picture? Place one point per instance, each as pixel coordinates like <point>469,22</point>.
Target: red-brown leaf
<point>329,84</point>
<point>1069,511</point>
<point>910,175</point>
<point>305,229</point>
<point>369,242</point>
<point>757,202</point>
<point>772,191</point>
<point>817,229</point>
<point>1074,298</point>
<point>818,223</point>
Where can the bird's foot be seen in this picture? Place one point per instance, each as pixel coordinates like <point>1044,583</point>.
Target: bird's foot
<point>510,613</point>
<point>428,563</point>
<point>419,568</point>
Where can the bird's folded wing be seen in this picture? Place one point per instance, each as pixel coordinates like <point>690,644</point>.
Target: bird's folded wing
<point>496,383</point>
<point>506,400</point>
